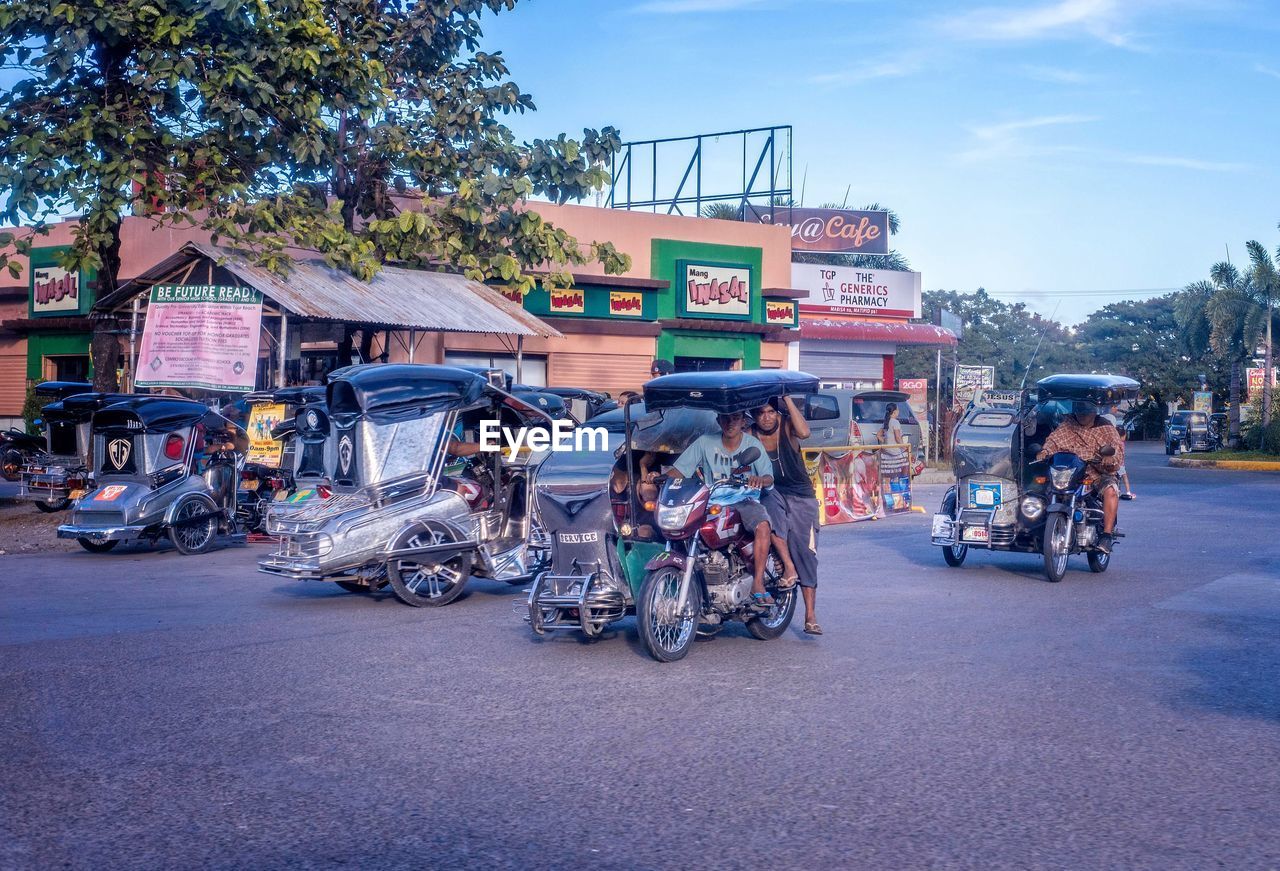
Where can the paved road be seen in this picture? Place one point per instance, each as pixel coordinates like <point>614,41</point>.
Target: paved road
<point>168,711</point>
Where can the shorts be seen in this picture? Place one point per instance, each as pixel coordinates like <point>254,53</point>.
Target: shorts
<point>1103,482</point>
<point>795,521</point>
<point>751,513</point>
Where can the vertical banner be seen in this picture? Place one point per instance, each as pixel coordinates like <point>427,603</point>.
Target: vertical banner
<point>917,390</point>
<point>263,418</point>
<point>970,379</point>
<point>851,486</point>
<point>200,336</point>
<point>1202,400</point>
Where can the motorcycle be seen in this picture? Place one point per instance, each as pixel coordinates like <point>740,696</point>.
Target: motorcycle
<point>1073,514</point>
<point>17,449</point>
<point>705,576</point>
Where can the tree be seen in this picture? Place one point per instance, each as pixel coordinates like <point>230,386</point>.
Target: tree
<point>138,101</point>
<point>414,166</point>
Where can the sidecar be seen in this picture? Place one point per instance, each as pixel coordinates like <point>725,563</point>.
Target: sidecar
<point>153,477</point>
<point>391,505</point>
<point>64,470</point>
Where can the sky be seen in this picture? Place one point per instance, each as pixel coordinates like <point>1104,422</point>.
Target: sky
<point>1068,153</point>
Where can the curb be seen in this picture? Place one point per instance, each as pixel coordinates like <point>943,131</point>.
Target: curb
<point>1231,465</point>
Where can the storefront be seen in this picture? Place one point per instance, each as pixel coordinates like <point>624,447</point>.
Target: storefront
<point>854,320</point>
<point>701,293</point>
<point>56,326</point>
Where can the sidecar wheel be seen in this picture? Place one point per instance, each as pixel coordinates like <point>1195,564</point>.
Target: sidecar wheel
<point>195,537</point>
<point>665,634</point>
<point>954,554</point>
<point>53,507</point>
<point>424,584</point>
<point>96,546</point>
<point>11,461</point>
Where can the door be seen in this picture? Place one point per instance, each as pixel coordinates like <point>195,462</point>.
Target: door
<point>706,364</point>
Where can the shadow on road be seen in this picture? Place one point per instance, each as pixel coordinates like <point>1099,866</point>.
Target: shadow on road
<point>1240,675</point>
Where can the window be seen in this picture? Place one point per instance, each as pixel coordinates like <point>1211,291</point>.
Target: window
<point>872,410</point>
<point>534,368</point>
<point>68,368</point>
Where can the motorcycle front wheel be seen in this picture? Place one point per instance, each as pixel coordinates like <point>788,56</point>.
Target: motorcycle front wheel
<point>664,632</point>
<point>11,461</point>
<point>1057,546</point>
<point>96,546</point>
<point>192,537</point>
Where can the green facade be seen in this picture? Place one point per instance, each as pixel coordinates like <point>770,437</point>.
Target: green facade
<point>668,259</point>
<point>51,344</point>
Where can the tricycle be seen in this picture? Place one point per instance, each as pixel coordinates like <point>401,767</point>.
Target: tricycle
<point>63,471</point>
<point>405,497</point>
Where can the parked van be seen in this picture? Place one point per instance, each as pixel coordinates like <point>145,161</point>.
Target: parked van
<point>861,414</point>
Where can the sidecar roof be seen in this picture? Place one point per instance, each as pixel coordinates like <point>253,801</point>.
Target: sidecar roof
<point>298,395</point>
<point>1096,388</point>
<point>62,389</point>
<point>389,392</point>
<point>725,392</point>
<point>82,406</point>
<point>153,414</point>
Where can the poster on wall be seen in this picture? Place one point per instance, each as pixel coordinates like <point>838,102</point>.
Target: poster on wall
<point>845,231</point>
<point>917,390</point>
<point>202,336</point>
<point>626,304</point>
<point>715,291</point>
<point>970,379</point>
<point>849,290</point>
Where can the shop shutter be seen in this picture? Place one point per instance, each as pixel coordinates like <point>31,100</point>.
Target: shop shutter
<point>842,366</point>
<point>13,382</point>
<point>597,372</point>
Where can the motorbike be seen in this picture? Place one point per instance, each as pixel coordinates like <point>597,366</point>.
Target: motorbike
<point>19,448</point>
<point>63,470</point>
<point>1073,514</point>
<point>390,508</point>
<point>1002,493</point>
<point>160,472</point>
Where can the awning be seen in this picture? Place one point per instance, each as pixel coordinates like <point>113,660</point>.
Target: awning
<point>876,331</point>
<point>396,298</point>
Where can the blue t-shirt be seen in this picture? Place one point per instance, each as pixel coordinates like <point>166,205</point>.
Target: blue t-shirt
<point>709,456</point>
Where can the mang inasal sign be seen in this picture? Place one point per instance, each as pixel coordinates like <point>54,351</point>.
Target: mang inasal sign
<point>200,336</point>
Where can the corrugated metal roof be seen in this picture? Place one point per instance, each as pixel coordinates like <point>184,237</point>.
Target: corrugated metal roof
<point>404,298</point>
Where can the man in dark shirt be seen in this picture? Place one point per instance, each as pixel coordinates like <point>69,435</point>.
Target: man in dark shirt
<point>792,503</point>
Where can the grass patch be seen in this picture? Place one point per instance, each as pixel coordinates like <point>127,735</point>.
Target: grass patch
<point>1238,455</point>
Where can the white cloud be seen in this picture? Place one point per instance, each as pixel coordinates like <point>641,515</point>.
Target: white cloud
<point>1266,71</point>
<point>1181,162</point>
<point>1005,129</point>
<point>889,69</point>
<point>1058,76</point>
<point>1098,19</point>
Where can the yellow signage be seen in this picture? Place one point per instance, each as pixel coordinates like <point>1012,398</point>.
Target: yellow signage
<point>263,417</point>
<point>626,303</point>
<point>780,312</point>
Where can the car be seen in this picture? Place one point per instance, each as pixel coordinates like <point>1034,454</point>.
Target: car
<point>861,414</point>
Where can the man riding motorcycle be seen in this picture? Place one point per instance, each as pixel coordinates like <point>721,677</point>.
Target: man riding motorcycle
<point>712,456</point>
<point>1084,434</point>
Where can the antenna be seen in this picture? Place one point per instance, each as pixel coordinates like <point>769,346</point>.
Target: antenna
<point>803,178</point>
<point>846,195</point>
<point>1036,352</point>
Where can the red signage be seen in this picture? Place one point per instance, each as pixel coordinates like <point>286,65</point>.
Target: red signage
<point>848,231</point>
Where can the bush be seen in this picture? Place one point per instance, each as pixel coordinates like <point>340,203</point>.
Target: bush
<point>31,409</point>
<point>1251,428</point>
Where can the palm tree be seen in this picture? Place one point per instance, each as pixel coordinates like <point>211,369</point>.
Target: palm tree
<point>723,211</point>
<point>1266,286</point>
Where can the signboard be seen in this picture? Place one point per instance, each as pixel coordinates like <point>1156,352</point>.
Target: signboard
<point>263,418</point>
<point>511,293</point>
<point>715,291</point>
<point>917,390</point>
<point>570,301</point>
<point>200,336</point>
<point>626,304</point>
<point>999,398</point>
<point>1202,400</point>
<point>970,379</point>
<point>852,291</point>
<point>780,312</point>
<point>54,291</point>
<point>1253,378</point>
<point>844,231</point>
<point>949,320</point>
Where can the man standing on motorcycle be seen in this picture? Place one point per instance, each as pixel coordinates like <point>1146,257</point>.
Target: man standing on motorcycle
<point>712,456</point>
<point>1085,434</point>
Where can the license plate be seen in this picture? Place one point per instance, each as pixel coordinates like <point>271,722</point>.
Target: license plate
<point>941,526</point>
<point>977,533</point>
<point>249,485</point>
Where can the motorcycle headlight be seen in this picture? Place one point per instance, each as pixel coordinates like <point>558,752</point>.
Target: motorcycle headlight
<point>1061,478</point>
<point>673,517</point>
<point>1032,507</point>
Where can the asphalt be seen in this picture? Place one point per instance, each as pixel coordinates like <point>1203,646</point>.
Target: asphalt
<point>160,710</point>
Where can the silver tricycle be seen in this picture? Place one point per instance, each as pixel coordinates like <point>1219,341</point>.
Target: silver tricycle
<point>163,467</point>
<point>408,499</point>
<point>63,471</point>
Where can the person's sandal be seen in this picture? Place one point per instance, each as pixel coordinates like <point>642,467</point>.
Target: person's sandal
<point>1128,497</point>
<point>812,629</point>
<point>762,599</point>
<point>788,583</point>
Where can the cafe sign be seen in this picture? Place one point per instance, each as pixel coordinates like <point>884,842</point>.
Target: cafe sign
<point>852,291</point>
<point>838,231</point>
<point>710,290</point>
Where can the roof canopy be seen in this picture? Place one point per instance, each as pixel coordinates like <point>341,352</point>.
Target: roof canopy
<point>900,333</point>
<point>396,298</point>
<point>725,392</point>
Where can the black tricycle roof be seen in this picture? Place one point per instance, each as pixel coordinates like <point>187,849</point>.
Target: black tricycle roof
<point>725,392</point>
<point>155,414</point>
<point>82,406</point>
<point>61,389</point>
<point>390,392</point>
<point>1102,389</point>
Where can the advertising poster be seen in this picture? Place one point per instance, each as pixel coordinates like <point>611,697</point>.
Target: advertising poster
<point>54,290</point>
<point>263,418</point>
<point>201,336</point>
<point>851,487</point>
<point>846,231</point>
<point>1253,381</point>
<point>849,290</point>
<point>970,379</point>
<point>917,390</point>
<point>1202,400</point>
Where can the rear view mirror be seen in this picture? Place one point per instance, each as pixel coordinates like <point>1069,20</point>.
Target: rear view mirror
<point>1107,451</point>
<point>747,457</point>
